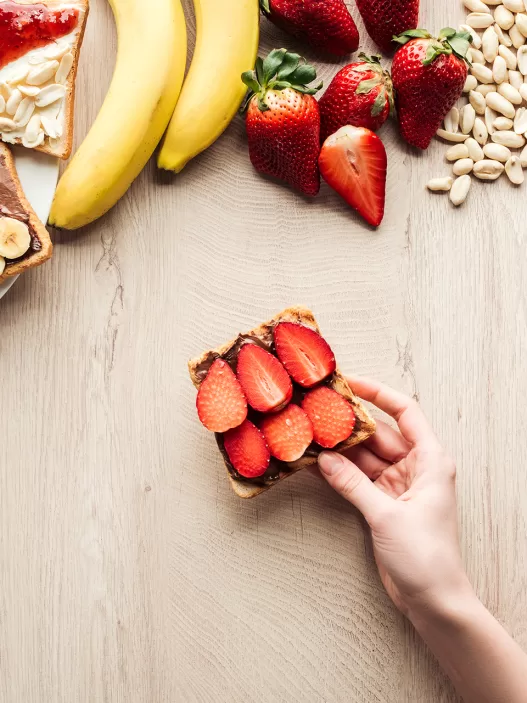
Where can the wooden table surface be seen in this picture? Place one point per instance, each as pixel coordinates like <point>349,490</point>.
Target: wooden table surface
<point>129,571</point>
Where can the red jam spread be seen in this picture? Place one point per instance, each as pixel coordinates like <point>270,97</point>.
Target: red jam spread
<point>27,27</point>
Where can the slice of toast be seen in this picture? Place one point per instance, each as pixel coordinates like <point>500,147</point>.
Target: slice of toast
<point>54,134</point>
<point>364,426</point>
<point>14,204</point>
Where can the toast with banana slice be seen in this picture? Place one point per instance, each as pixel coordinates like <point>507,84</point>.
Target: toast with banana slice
<point>322,379</point>
<point>39,54</point>
<point>24,241</point>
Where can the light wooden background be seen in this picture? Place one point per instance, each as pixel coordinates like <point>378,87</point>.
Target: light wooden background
<point>129,572</point>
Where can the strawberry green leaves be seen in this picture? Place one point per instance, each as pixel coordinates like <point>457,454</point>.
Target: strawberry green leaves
<point>448,42</point>
<point>280,70</point>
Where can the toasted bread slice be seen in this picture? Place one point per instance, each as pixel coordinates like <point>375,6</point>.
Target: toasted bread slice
<point>55,143</point>
<point>364,427</point>
<point>14,204</point>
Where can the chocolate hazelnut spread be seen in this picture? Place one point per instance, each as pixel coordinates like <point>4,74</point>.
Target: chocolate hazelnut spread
<point>11,206</point>
<point>265,340</point>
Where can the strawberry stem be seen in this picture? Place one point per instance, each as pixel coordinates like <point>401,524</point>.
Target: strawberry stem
<point>280,70</point>
<point>448,42</point>
<point>373,63</point>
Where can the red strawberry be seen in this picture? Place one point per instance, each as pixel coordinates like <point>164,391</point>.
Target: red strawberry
<point>386,18</point>
<point>247,450</point>
<point>326,25</point>
<point>283,120</point>
<point>360,94</point>
<point>288,433</point>
<point>306,355</point>
<point>264,380</point>
<point>331,415</point>
<point>221,403</point>
<point>353,162</point>
<point>428,77</point>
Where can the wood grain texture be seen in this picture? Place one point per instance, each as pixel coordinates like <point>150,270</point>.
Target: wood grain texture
<point>130,572</point>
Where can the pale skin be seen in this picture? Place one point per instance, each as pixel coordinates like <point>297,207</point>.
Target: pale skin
<point>403,483</point>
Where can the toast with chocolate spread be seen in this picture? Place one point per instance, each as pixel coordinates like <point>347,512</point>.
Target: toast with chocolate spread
<point>264,336</point>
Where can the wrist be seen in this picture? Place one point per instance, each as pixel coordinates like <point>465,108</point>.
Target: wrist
<point>443,605</point>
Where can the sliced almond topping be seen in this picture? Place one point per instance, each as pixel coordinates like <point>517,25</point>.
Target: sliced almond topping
<point>64,68</point>
<point>24,112</point>
<point>33,128</point>
<point>43,73</point>
<point>6,125</point>
<point>51,127</point>
<point>56,51</point>
<point>50,94</point>
<point>30,90</point>
<point>13,102</point>
<point>33,144</point>
<point>18,76</point>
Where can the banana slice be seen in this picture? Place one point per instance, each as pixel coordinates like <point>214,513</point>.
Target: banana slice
<point>2,265</point>
<point>15,239</point>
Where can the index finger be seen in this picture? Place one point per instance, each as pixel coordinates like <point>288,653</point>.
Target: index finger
<point>405,411</point>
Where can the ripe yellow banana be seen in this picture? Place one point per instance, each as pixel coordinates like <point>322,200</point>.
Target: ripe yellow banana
<point>227,34</point>
<point>151,56</point>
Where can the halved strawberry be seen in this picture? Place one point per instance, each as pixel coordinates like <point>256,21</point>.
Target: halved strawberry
<point>306,355</point>
<point>221,403</point>
<point>264,380</point>
<point>331,415</point>
<point>353,162</point>
<point>247,450</point>
<point>288,433</point>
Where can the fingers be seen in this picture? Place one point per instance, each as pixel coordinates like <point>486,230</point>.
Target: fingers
<point>368,462</point>
<point>404,410</point>
<point>387,443</point>
<point>348,480</point>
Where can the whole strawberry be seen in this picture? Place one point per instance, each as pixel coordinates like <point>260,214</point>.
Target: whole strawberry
<point>385,18</point>
<point>283,120</point>
<point>428,76</point>
<point>361,95</point>
<point>325,25</point>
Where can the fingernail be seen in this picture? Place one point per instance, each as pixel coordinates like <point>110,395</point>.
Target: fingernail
<point>329,462</point>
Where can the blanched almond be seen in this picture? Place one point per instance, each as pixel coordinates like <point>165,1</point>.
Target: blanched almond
<point>64,68</point>
<point>475,151</point>
<point>480,131</point>
<point>514,171</point>
<point>490,44</point>
<point>33,144</point>
<point>51,127</point>
<point>486,89</point>
<point>459,190</point>
<point>29,90</point>
<point>510,94</point>
<point>500,104</point>
<point>503,17</point>
<point>475,6</point>
<point>509,57</point>
<point>462,167</point>
<point>458,151</point>
<point>33,128</point>
<point>476,56</point>
<point>50,94</point>
<point>523,91</point>
<point>515,79</point>
<point>470,84</point>
<point>503,36</point>
<point>440,184</point>
<point>24,112</point>
<point>483,74</point>
<point>488,170</point>
<point>522,60</point>
<point>510,139</point>
<point>451,136</point>
<point>452,120</point>
<point>514,5</point>
<point>499,69</point>
<point>477,101</point>
<point>13,102</point>
<point>467,118</point>
<point>43,73</point>
<point>479,20</point>
<point>6,125</point>
<point>521,23</point>
<point>516,36</point>
<point>503,123</point>
<point>497,152</point>
<point>490,119</point>
<point>520,121</point>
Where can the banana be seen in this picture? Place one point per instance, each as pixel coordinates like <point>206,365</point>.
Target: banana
<point>15,239</point>
<point>151,57</point>
<point>227,35</point>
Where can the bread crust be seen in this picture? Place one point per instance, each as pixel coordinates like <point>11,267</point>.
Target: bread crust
<point>366,424</point>
<point>62,149</point>
<point>35,258</point>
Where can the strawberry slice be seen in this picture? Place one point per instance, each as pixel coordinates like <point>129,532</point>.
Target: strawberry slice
<point>306,355</point>
<point>264,380</point>
<point>221,403</point>
<point>247,450</point>
<point>288,433</point>
<point>353,162</point>
<point>331,415</point>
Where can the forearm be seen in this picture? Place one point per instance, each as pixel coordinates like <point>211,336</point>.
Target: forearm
<point>478,655</point>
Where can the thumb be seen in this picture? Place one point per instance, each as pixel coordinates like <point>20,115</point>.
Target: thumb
<point>348,480</point>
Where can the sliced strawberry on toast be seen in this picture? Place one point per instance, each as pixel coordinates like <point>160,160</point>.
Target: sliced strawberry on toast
<point>247,450</point>
<point>264,380</point>
<point>288,433</point>
<point>221,403</point>
<point>353,162</point>
<point>306,356</point>
<point>331,415</point>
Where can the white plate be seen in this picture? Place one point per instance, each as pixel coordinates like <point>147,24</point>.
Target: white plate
<point>38,174</point>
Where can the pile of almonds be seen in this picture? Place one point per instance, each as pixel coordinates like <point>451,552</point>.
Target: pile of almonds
<point>487,130</point>
<point>31,99</point>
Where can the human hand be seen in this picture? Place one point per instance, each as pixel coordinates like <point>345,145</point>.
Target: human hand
<point>404,485</point>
